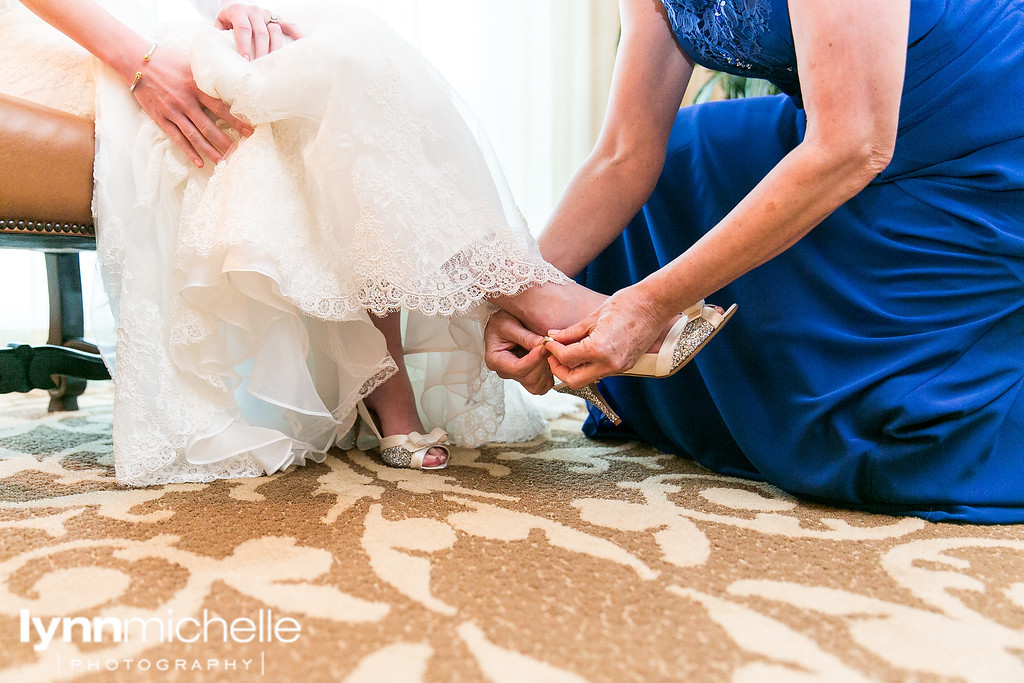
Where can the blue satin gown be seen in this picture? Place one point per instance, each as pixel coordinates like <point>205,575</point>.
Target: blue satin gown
<point>878,363</point>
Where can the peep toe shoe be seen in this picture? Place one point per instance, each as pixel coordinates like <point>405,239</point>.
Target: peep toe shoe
<point>404,450</point>
<point>691,332</point>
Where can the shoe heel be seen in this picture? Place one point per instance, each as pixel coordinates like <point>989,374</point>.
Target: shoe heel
<point>366,431</point>
<point>593,395</point>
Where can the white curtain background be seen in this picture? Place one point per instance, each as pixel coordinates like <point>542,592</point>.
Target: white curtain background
<point>535,72</point>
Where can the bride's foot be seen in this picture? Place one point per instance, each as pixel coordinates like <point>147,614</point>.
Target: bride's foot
<point>391,412</point>
<point>407,446</point>
<point>685,337</point>
<point>551,306</point>
<point>656,346</point>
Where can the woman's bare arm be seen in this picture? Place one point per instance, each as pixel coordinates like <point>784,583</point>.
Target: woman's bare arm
<point>650,77</point>
<point>851,59</point>
<point>651,74</point>
<point>166,89</point>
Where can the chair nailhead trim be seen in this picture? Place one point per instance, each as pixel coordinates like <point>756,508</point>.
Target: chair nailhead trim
<point>38,228</point>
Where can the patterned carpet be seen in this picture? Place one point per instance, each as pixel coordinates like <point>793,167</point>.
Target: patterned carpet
<point>558,560</point>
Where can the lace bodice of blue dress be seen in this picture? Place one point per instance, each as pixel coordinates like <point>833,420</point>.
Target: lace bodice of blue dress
<point>754,37</point>
<point>743,37</point>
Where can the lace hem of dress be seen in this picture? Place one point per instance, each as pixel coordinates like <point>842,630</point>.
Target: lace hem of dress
<point>482,271</point>
<point>154,458</point>
<point>175,471</point>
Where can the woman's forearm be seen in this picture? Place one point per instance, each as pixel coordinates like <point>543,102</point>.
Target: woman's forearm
<point>96,30</point>
<point>620,174</point>
<point>601,198</point>
<point>801,191</point>
<point>852,57</point>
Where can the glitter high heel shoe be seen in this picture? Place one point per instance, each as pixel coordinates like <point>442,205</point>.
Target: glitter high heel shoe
<point>405,450</point>
<point>690,333</point>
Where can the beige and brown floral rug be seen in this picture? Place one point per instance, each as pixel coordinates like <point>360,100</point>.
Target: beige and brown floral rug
<point>558,560</point>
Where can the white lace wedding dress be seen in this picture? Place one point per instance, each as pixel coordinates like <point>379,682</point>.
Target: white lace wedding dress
<point>241,293</point>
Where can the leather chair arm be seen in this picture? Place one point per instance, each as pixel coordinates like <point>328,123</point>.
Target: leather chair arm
<point>46,160</point>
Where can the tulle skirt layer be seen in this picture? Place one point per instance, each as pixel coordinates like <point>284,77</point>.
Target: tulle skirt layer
<point>242,294</point>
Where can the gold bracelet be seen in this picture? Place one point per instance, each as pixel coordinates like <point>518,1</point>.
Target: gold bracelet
<point>138,74</point>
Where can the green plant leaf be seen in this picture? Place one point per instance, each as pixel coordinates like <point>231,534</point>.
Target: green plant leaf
<point>733,87</point>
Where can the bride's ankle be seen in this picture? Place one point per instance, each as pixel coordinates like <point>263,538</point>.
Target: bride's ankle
<point>552,307</point>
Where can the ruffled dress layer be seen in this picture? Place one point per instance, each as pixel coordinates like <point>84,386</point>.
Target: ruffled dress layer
<point>242,293</point>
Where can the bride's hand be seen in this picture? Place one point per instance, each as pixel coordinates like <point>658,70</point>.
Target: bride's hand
<point>515,352</point>
<point>169,94</point>
<point>609,340</point>
<point>258,32</point>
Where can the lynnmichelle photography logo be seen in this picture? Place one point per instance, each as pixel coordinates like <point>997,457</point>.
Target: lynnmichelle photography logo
<point>262,628</point>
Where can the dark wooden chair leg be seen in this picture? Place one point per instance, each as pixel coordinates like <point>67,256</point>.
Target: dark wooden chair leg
<point>67,323</point>
<point>46,169</point>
